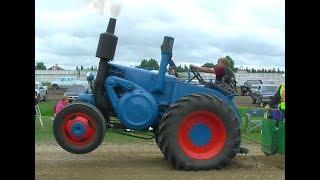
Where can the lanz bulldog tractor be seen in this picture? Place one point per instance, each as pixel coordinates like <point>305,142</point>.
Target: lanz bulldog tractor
<point>196,127</point>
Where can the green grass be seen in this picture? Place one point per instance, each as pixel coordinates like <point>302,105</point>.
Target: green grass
<point>242,111</point>
<point>46,107</point>
<point>254,136</point>
<point>46,135</point>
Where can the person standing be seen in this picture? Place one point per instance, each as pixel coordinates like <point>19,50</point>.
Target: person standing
<point>278,101</point>
<point>60,105</point>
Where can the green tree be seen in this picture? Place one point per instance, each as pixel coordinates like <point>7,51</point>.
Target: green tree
<point>208,65</point>
<point>149,64</point>
<point>185,68</point>
<point>40,66</point>
<point>179,68</point>
<point>231,63</point>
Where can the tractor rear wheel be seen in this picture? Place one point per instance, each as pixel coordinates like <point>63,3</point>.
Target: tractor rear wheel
<point>79,128</point>
<point>199,132</point>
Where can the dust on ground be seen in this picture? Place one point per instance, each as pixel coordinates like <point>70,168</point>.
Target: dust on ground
<point>145,161</point>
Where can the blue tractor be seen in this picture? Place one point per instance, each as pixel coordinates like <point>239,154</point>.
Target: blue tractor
<point>196,127</point>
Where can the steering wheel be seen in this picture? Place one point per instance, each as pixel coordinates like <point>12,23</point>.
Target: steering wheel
<point>196,75</point>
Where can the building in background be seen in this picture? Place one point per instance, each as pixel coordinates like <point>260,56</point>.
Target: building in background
<point>55,68</point>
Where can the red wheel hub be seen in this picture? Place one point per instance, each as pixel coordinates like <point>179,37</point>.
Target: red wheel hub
<point>78,128</point>
<point>201,135</point>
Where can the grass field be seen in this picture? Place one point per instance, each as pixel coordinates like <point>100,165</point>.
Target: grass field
<point>46,134</point>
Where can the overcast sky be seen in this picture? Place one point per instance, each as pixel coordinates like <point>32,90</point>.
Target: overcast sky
<point>252,32</point>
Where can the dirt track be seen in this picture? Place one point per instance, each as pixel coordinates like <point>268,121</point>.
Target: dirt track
<point>145,161</point>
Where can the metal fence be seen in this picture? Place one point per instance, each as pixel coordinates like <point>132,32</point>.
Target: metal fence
<point>48,75</point>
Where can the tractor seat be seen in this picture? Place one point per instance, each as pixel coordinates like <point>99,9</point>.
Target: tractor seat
<point>222,90</point>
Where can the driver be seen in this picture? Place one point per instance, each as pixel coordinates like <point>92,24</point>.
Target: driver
<point>220,70</point>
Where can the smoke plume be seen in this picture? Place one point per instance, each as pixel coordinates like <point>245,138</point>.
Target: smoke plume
<point>103,7</point>
<point>115,8</point>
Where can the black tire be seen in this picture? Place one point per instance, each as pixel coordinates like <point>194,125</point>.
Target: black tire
<point>55,86</point>
<point>94,114</point>
<point>169,127</point>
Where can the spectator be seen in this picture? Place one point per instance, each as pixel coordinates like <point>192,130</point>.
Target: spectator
<point>61,104</point>
<point>173,71</point>
<point>173,68</point>
<point>278,101</point>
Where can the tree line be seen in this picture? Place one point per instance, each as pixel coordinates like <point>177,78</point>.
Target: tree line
<point>152,64</point>
<point>41,66</point>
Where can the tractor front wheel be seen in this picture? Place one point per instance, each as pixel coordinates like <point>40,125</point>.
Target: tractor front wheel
<point>79,128</point>
<point>199,132</point>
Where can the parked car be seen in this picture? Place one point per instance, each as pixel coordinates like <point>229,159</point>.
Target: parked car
<point>73,91</point>
<point>40,91</point>
<point>263,93</point>
<point>248,84</point>
<point>65,82</point>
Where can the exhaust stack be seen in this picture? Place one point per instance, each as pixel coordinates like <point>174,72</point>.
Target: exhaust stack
<point>105,51</point>
<point>107,42</point>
